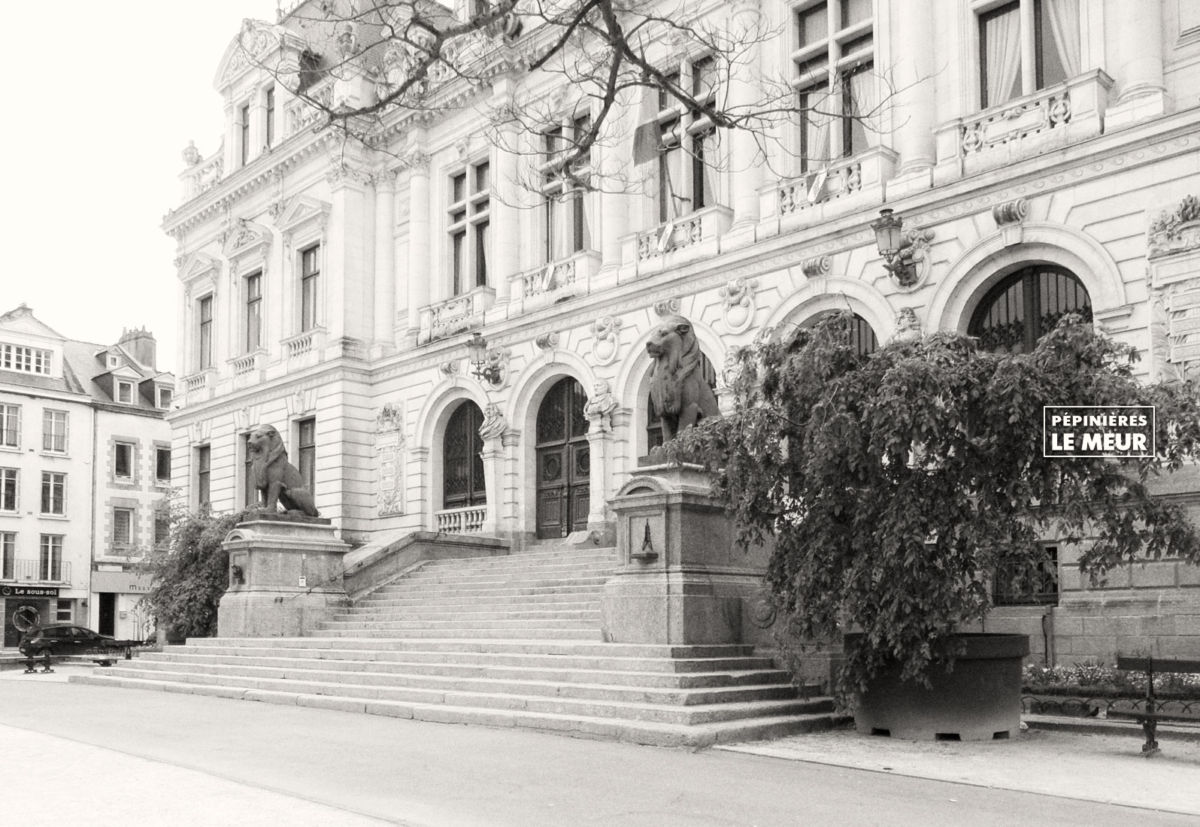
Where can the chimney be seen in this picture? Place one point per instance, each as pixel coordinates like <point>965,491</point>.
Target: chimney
<point>139,343</point>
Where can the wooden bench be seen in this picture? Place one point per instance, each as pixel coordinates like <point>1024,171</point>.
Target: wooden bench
<point>1154,711</point>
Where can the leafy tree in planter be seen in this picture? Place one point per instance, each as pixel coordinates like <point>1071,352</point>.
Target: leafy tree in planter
<point>190,574</point>
<point>893,485</point>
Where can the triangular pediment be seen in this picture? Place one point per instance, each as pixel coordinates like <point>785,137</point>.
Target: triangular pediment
<point>199,264</point>
<point>251,47</point>
<point>301,210</point>
<point>245,236</point>
<point>20,320</point>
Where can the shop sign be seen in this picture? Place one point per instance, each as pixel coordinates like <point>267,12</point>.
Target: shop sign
<point>28,591</point>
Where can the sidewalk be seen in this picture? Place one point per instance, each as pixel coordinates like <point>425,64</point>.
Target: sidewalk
<point>1102,767</point>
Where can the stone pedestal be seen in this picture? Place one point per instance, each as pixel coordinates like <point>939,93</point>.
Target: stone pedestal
<point>285,577</point>
<point>683,580</point>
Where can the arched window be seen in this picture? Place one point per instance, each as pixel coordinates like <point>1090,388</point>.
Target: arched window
<point>1025,306</point>
<point>462,460</point>
<point>859,332</point>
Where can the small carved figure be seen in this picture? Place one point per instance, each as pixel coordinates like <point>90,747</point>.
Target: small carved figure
<point>276,479</point>
<point>600,406</point>
<point>678,388</point>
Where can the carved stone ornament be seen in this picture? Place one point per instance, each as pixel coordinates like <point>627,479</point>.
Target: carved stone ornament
<point>763,609</point>
<point>737,299</point>
<point>191,155</point>
<point>1010,212</point>
<point>390,418</point>
<point>600,406</point>
<point>732,369</point>
<point>667,307</point>
<point>494,423</point>
<point>907,324</point>
<point>916,250</point>
<point>817,267</point>
<point>450,368</point>
<point>389,446</point>
<point>547,341</point>
<point>495,361</point>
<point>1177,230</point>
<point>605,340</point>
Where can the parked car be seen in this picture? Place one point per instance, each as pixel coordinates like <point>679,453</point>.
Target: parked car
<point>62,639</point>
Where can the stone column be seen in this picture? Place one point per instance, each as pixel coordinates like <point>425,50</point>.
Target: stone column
<point>745,91</point>
<point>493,454</point>
<point>1138,63</point>
<point>506,219</point>
<point>385,262</point>
<point>599,411</point>
<point>345,257</point>
<point>418,276</point>
<point>615,159</point>
<point>914,106</point>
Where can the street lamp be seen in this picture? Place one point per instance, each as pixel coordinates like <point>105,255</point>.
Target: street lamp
<point>477,356</point>
<point>896,249</point>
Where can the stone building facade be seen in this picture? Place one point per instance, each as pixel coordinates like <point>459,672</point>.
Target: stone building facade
<point>1043,159</point>
<point>85,473</point>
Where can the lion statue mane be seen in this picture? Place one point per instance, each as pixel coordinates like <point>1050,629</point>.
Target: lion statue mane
<point>679,388</point>
<point>276,479</point>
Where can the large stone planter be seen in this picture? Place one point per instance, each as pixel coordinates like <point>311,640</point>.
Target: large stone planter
<point>979,700</point>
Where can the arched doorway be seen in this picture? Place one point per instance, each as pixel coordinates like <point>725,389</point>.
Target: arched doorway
<point>563,461</point>
<point>859,333</point>
<point>1025,306</point>
<point>462,460</point>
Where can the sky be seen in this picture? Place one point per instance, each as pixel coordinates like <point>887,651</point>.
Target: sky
<point>101,105</point>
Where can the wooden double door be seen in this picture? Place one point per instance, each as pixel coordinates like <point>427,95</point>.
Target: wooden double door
<point>563,461</point>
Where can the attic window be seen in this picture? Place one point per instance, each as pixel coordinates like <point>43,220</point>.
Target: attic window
<point>25,359</point>
<point>125,392</point>
<point>164,397</point>
<point>113,361</point>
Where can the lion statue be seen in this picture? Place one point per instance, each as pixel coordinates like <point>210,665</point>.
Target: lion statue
<point>679,388</point>
<point>276,479</point>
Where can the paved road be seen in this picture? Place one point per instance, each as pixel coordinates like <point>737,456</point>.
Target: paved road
<point>137,757</point>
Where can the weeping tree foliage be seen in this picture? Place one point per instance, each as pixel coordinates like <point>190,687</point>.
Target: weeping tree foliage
<point>894,485</point>
<point>190,574</point>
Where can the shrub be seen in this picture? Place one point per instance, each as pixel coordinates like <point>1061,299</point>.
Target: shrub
<point>189,576</point>
<point>893,485</point>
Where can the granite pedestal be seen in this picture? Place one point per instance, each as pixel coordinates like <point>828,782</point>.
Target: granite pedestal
<point>285,577</point>
<point>683,578</point>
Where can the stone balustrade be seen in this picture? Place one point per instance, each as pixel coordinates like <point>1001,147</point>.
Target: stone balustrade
<point>1048,119</point>
<point>696,232</point>
<point>455,314</point>
<point>461,520</point>
<point>553,282</point>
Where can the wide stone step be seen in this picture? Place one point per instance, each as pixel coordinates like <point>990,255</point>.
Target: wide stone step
<point>450,625</point>
<point>549,599</point>
<point>735,675</point>
<point>396,685</point>
<point>521,633</point>
<point>530,646</point>
<point>589,610</point>
<point>446,592</point>
<point>623,706</point>
<point>633,731</point>
<point>426,585</point>
<point>530,558</point>
<point>367,658</point>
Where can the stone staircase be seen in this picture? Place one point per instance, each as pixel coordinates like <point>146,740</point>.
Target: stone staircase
<point>502,641</point>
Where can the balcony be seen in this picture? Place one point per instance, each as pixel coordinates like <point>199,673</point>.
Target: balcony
<point>299,115</point>
<point>841,187</point>
<point>461,520</point>
<point>199,385</point>
<point>27,572</point>
<point>455,314</point>
<point>682,239</point>
<point>1046,120</point>
<point>554,282</point>
<point>304,348</point>
<point>204,174</point>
